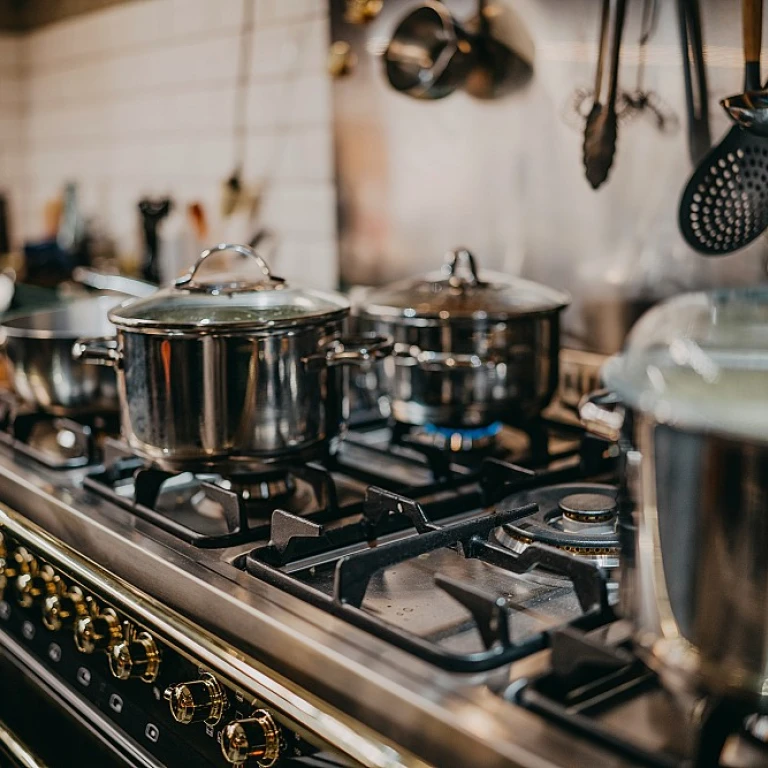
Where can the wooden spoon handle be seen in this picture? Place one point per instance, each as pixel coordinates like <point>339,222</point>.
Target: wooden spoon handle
<point>752,21</point>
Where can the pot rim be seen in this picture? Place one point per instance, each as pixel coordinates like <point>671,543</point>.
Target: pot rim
<point>231,328</point>
<point>424,319</point>
<point>10,331</point>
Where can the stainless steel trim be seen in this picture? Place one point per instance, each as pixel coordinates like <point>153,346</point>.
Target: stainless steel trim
<point>17,749</point>
<point>339,731</point>
<point>126,748</point>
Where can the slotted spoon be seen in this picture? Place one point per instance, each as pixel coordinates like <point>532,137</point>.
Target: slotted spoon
<point>725,204</point>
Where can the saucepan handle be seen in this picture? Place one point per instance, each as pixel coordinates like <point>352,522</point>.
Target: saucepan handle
<point>99,350</point>
<point>357,350</point>
<point>602,413</point>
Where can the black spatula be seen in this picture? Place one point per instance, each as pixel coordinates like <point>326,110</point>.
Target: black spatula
<point>725,204</point>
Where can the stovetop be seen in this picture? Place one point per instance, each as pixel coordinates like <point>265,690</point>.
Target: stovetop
<point>461,601</point>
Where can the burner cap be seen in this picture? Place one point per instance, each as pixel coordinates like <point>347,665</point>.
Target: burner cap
<point>577,517</point>
<point>588,507</point>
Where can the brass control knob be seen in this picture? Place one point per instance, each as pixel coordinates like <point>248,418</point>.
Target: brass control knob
<point>100,632</point>
<point>136,655</point>
<point>34,585</point>
<point>201,700</point>
<point>19,562</point>
<point>61,607</point>
<point>257,737</point>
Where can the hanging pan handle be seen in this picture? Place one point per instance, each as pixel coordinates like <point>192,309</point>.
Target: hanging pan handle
<point>269,280</point>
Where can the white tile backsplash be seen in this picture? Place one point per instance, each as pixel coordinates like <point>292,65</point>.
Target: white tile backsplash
<point>139,99</point>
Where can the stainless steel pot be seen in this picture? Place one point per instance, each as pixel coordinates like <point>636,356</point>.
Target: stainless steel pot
<point>39,348</point>
<point>468,351</point>
<point>227,372</point>
<point>689,406</point>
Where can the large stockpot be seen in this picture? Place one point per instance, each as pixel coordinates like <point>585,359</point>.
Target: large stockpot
<point>469,350</point>
<point>222,371</point>
<point>688,402</point>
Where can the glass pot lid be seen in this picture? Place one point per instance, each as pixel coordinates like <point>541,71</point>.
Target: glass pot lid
<point>699,361</point>
<point>219,301</point>
<point>459,291</point>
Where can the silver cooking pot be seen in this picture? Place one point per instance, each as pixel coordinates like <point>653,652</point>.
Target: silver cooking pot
<point>468,351</point>
<point>38,345</point>
<point>220,371</point>
<point>688,403</point>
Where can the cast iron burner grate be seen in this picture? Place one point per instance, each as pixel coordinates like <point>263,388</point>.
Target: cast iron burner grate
<point>56,442</point>
<point>243,501</point>
<point>358,551</point>
<point>599,689</point>
<point>536,445</point>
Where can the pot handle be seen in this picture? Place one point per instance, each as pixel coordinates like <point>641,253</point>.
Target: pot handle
<point>602,413</point>
<point>189,282</point>
<point>355,350</point>
<point>436,361</point>
<point>100,350</point>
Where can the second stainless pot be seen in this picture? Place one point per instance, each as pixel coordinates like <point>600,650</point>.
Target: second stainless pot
<point>223,371</point>
<point>468,351</point>
<point>688,403</point>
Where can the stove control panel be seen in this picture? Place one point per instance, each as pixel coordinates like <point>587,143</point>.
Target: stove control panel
<point>156,694</point>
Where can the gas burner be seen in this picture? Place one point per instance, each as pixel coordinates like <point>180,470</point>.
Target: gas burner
<point>576,517</point>
<point>457,439</point>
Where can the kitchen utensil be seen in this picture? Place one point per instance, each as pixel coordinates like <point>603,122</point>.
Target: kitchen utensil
<point>224,370</point>
<point>746,109</point>
<point>152,213</point>
<point>749,110</point>
<point>503,53</point>
<point>71,226</point>
<point>724,206</point>
<point>601,129</point>
<point>690,408</point>
<point>469,349</point>
<point>233,188</point>
<point>696,96</point>
<point>641,100</point>
<point>430,53</point>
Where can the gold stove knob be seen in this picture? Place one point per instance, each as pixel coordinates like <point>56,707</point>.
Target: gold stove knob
<point>33,585</point>
<point>198,701</point>
<point>61,607</point>
<point>100,632</point>
<point>257,737</point>
<point>19,562</point>
<point>136,655</point>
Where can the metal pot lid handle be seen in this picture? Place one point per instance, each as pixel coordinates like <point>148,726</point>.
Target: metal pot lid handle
<point>269,280</point>
<point>460,269</point>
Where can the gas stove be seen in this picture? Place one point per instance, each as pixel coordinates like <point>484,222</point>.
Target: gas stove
<point>420,598</point>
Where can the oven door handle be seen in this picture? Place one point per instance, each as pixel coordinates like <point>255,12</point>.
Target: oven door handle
<point>20,755</point>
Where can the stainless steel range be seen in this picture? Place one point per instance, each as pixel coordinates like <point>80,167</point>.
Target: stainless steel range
<point>398,603</point>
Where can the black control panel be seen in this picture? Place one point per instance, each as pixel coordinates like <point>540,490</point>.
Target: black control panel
<point>159,697</point>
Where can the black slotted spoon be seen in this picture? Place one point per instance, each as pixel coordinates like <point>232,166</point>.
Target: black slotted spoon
<point>725,204</point>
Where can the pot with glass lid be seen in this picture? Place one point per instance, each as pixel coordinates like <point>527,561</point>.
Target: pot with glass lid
<point>689,404</point>
<point>470,348</point>
<point>215,370</point>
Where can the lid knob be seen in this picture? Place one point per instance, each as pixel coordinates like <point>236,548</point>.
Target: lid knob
<point>459,261</point>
